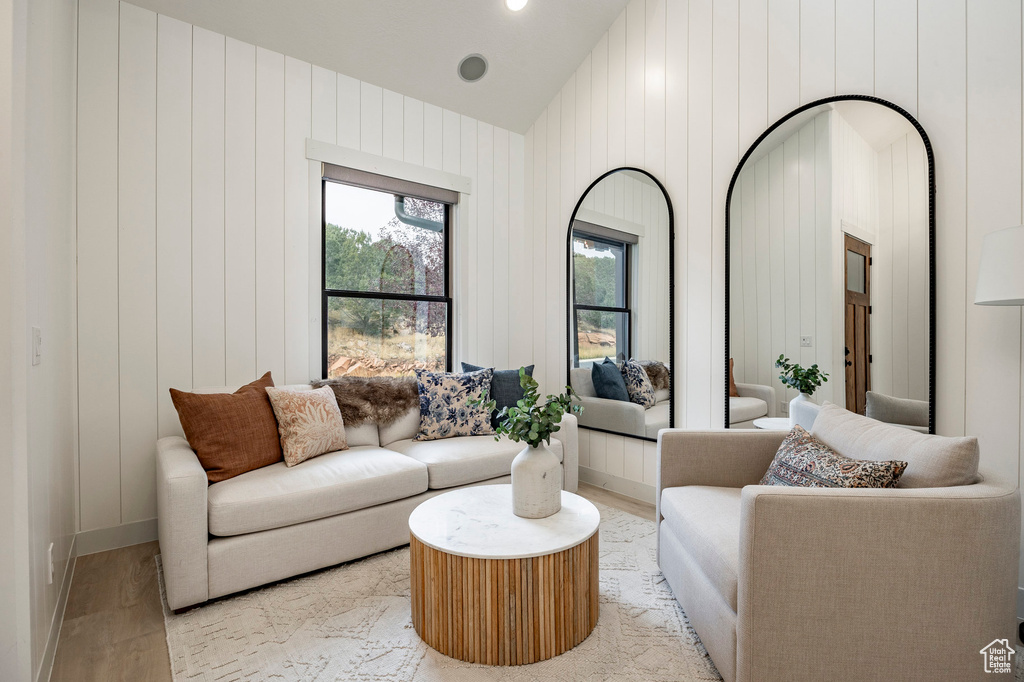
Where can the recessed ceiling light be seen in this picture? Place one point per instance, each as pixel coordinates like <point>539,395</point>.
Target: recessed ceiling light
<point>472,68</point>
<point>515,5</point>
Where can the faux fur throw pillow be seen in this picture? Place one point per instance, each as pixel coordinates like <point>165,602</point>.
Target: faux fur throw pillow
<point>380,400</point>
<point>657,372</point>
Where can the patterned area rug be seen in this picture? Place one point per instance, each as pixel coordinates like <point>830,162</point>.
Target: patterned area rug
<point>352,622</point>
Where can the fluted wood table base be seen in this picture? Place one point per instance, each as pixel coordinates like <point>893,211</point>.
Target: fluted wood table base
<point>505,611</point>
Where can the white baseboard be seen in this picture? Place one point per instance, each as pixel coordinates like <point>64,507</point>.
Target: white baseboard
<point>623,486</point>
<point>53,637</point>
<point>125,535</point>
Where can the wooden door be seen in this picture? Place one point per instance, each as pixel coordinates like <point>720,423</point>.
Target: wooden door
<point>858,323</point>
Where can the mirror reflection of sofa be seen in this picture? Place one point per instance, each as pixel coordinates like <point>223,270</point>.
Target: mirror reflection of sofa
<point>754,401</point>
<point>905,412</point>
<point>619,416</point>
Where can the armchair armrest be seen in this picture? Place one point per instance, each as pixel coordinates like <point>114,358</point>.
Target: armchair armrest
<point>568,436</point>
<point>181,499</point>
<point>760,391</point>
<point>612,415</point>
<point>908,584</point>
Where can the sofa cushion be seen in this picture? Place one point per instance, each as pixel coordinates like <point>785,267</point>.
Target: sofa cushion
<point>893,410</point>
<point>608,381</point>
<point>467,459</point>
<point>335,483</point>
<point>506,389</point>
<point>707,522</point>
<point>656,419</point>
<point>806,462</point>
<point>932,461</point>
<point>309,422</point>
<point>231,433</point>
<point>745,409</point>
<point>447,407</point>
<point>582,381</point>
<point>638,384</point>
<point>403,428</point>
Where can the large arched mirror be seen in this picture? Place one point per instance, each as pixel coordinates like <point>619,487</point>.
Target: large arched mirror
<point>620,304</point>
<point>830,262</point>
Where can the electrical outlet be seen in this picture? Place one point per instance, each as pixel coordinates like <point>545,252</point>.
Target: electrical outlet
<point>806,341</point>
<point>784,408</point>
<point>37,345</point>
<point>49,564</point>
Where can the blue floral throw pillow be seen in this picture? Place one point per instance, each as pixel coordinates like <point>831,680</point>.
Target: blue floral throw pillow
<point>638,384</point>
<point>445,411</point>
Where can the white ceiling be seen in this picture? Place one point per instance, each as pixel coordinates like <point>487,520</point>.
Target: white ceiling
<point>414,47</point>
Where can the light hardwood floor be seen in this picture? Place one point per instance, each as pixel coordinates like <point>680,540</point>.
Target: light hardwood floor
<point>114,627</point>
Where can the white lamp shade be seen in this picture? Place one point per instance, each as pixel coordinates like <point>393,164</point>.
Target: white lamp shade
<point>1001,271</point>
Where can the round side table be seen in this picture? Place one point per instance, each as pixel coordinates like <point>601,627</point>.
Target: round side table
<point>491,587</point>
<point>773,423</point>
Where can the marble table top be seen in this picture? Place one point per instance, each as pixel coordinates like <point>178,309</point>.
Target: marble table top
<point>478,522</point>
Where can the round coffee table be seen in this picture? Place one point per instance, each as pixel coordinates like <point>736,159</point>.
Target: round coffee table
<point>491,587</point>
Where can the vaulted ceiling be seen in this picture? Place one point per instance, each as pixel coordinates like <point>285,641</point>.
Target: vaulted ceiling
<point>414,47</point>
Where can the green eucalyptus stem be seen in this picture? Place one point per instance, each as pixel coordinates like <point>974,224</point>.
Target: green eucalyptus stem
<point>529,422</point>
<point>804,380</point>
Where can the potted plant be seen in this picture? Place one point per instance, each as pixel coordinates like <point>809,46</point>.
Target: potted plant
<point>806,381</point>
<point>536,471</point>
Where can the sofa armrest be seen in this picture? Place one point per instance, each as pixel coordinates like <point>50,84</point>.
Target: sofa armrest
<point>761,392</point>
<point>568,436</point>
<point>912,582</point>
<point>181,500</point>
<point>613,415</point>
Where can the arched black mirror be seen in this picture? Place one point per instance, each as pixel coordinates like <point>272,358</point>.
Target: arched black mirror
<point>620,304</point>
<point>830,261</point>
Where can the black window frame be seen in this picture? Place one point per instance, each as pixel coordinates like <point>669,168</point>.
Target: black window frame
<point>627,254</point>
<point>328,294</point>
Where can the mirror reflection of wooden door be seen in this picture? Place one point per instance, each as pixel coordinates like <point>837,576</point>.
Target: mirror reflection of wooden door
<point>858,323</point>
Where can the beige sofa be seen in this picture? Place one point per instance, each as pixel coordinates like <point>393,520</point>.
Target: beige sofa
<point>278,521</point>
<point>811,584</point>
<point>619,416</point>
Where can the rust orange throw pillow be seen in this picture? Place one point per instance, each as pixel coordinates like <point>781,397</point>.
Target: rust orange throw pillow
<point>733,391</point>
<point>232,433</point>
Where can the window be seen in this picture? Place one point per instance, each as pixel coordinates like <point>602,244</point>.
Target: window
<point>601,292</point>
<point>386,307</point>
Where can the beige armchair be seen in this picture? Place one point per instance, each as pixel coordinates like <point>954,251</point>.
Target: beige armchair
<point>810,584</point>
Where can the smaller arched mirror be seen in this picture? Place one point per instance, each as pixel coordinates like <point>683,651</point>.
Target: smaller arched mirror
<point>830,262</point>
<point>620,305</point>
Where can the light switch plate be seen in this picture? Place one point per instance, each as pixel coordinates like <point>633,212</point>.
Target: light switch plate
<point>806,341</point>
<point>37,345</point>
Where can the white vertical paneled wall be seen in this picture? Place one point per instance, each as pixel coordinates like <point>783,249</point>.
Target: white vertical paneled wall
<point>729,68</point>
<point>197,265</point>
<point>899,274</point>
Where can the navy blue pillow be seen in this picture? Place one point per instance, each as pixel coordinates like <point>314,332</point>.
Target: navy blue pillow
<point>608,381</point>
<point>505,388</point>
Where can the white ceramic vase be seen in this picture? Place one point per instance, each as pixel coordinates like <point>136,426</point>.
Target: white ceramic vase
<point>536,482</point>
<point>802,398</point>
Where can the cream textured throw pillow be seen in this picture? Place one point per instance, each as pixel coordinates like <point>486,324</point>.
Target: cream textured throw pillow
<point>309,423</point>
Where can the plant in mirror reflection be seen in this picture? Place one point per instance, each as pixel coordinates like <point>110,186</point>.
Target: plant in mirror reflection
<point>806,380</point>
<point>529,422</point>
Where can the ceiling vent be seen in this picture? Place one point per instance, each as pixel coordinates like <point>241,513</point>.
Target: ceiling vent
<point>472,68</point>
